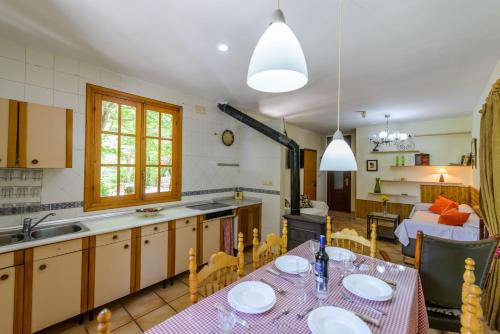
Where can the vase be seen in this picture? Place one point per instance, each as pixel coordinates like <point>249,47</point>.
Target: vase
<point>385,208</point>
<point>377,189</point>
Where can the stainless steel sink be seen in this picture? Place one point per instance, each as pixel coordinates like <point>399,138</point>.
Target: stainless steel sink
<point>10,237</point>
<point>58,230</point>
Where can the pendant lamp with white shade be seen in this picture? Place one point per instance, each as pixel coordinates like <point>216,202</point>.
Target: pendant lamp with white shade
<point>278,64</point>
<point>338,155</point>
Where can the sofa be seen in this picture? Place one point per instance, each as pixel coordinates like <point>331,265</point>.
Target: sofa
<point>319,209</point>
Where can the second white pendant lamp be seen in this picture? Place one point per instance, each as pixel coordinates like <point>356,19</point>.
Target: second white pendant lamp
<point>338,155</point>
<point>278,64</point>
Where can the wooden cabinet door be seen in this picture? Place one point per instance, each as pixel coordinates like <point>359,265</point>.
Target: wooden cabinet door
<point>254,218</point>
<point>185,238</point>
<point>154,258</point>
<point>249,217</point>
<point>211,238</point>
<point>8,132</point>
<point>45,136</point>
<point>112,272</point>
<point>7,290</point>
<point>57,288</point>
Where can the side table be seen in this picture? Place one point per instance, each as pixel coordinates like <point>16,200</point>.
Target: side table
<point>386,221</point>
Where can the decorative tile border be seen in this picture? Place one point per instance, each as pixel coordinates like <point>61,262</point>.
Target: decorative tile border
<point>79,204</point>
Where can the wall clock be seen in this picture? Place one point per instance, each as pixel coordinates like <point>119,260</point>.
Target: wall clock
<point>228,137</point>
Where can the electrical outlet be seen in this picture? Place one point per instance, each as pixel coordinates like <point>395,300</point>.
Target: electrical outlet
<point>267,183</point>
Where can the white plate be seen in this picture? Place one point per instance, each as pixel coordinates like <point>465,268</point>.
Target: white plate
<point>252,297</point>
<point>330,319</point>
<point>288,263</point>
<point>368,287</point>
<point>336,253</point>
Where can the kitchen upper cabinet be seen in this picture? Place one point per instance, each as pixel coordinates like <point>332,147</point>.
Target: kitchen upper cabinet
<point>211,238</point>
<point>11,292</point>
<point>8,132</point>
<point>45,136</point>
<point>185,238</point>
<point>111,262</point>
<point>154,259</point>
<point>249,217</point>
<point>57,280</point>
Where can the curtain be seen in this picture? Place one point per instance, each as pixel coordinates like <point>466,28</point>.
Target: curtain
<point>489,155</point>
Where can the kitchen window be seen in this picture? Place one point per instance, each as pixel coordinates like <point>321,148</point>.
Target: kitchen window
<point>132,150</point>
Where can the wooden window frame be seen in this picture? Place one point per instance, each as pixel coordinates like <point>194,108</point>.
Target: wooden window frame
<point>92,199</point>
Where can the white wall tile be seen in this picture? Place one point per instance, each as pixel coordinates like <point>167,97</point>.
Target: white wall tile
<point>66,65</point>
<point>13,50</point>
<point>65,82</point>
<point>11,89</point>
<point>11,69</point>
<point>39,95</point>
<point>39,76</point>
<point>89,71</point>
<point>66,100</point>
<point>39,57</point>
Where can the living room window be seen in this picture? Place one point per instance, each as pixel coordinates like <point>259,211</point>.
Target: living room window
<point>132,150</point>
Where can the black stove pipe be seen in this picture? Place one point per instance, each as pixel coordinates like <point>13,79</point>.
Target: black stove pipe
<point>283,140</point>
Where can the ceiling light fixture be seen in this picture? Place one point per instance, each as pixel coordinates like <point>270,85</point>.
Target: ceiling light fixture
<point>338,155</point>
<point>278,64</point>
<point>222,47</point>
<point>386,137</point>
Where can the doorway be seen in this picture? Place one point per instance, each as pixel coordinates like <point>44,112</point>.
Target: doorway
<point>310,173</point>
<point>339,187</point>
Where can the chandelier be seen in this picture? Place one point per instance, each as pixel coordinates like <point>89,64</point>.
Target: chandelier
<point>386,137</point>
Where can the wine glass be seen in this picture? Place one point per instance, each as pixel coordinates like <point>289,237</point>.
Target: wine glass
<point>314,248</point>
<point>347,264</point>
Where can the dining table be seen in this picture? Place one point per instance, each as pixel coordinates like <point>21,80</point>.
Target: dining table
<point>405,312</point>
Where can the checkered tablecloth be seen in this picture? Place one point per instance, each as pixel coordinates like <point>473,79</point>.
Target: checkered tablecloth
<point>406,313</point>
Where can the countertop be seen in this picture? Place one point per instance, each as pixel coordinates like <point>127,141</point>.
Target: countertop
<point>112,222</point>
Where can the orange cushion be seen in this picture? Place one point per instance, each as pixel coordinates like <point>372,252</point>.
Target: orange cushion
<point>442,203</point>
<point>451,216</point>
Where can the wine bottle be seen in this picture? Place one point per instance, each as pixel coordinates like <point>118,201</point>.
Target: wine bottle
<point>321,270</point>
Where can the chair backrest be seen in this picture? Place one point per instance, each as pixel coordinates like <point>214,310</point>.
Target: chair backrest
<point>222,269</point>
<point>439,262</point>
<point>350,239</point>
<point>472,311</point>
<point>272,247</point>
<point>104,322</point>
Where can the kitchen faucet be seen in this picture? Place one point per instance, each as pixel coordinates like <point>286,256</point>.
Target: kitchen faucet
<point>27,227</point>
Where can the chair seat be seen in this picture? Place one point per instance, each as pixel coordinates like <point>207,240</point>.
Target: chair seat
<point>443,319</point>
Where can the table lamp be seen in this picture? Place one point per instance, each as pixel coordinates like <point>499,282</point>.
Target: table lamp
<point>442,171</point>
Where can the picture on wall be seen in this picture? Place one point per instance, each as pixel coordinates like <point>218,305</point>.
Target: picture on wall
<point>371,165</point>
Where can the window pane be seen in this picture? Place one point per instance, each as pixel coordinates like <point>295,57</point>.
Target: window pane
<point>152,123</point>
<point>166,125</point>
<point>128,119</point>
<point>152,151</point>
<point>109,117</point>
<point>165,179</point>
<point>127,150</point>
<point>108,181</point>
<point>166,152</point>
<point>127,180</point>
<point>151,179</point>
<point>109,149</point>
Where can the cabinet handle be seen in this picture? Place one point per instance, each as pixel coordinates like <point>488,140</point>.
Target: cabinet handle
<point>34,161</point>
<point>115,237</point>
<point>155,228</point>
<point>146,242</point>
<point>194,228</point>
<point>4,277</point>
<point>206,226</point>
<point>187,221</point>
<point>42,267</point>
<point>125,246</point>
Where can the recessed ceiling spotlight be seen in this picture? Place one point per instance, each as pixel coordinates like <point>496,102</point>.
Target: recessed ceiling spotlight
<point>222,47</point>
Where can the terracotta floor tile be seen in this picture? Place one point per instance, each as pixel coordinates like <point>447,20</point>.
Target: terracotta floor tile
<point>119,317</point>
<point>141,303</point>
<point>155,317</point>
<point>182,302</point>
<point>130,328</point>
<point>171,292</point>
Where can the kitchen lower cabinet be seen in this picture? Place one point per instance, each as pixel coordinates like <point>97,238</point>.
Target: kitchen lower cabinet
<point>211,238</point>
<point>112,267</point>
<point>11,293</point>
<point>249,217</point>
<point>153,259</point>
<point>185,238</point>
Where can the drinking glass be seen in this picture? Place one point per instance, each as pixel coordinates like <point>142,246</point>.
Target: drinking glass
<point>225,321</point>
<point>314,248</point>
<point>347,264</point>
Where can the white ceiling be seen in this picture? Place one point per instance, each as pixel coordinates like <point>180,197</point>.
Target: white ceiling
<point>414,59</point>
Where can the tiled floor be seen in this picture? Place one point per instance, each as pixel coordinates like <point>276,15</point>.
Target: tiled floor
<point>139,312</point>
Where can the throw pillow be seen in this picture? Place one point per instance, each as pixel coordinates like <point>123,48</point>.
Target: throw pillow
<point>305,202</point>
<point>442,203</point>
<point>451,216</point>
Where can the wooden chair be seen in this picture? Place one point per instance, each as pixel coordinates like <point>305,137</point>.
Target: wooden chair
<point>350,239</point>
<point>222,269</point>
<point>272,247</point>
<point>104,322</point>
<point>471,320</point>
